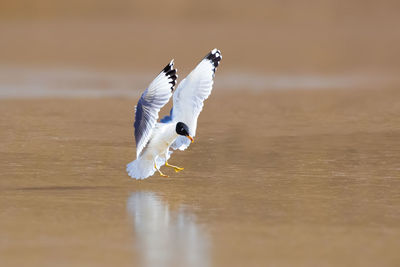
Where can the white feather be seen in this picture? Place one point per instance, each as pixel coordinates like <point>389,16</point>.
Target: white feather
<point>190,95</point>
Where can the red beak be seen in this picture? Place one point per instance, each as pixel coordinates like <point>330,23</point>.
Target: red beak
<point>191,138</point>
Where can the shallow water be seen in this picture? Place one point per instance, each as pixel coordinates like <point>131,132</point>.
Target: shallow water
<point>296,160</point>
<point>278,178</point>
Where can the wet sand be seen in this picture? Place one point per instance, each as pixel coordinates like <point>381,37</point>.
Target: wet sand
<point>276,178</point>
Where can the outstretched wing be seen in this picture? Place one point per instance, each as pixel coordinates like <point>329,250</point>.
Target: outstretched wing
<point>152,100</point>
<point>191,93</point>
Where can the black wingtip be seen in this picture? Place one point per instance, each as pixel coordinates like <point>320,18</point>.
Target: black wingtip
<point>215,57</point>
<point>170,72</point>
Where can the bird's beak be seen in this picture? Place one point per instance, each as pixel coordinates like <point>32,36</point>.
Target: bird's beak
<point>191,138</point>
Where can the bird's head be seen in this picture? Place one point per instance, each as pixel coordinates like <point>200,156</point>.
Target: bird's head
<point>183,129</point>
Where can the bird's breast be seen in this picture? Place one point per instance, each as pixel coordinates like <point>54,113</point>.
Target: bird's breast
<point>162,139</point>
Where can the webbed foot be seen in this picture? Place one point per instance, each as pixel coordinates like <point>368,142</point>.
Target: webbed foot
<point>176,168</point>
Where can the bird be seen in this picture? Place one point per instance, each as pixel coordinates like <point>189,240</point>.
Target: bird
<point>154,139</point>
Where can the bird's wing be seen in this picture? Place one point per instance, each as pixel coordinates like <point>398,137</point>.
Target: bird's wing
<point>152,100</point>
<point>191,93</point>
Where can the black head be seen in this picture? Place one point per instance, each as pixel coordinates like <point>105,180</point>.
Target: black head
<point>182,129</point>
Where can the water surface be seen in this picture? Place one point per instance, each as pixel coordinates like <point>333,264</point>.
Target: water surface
<point>277,178</point>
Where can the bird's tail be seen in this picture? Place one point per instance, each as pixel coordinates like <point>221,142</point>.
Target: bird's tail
<point>140,168</point>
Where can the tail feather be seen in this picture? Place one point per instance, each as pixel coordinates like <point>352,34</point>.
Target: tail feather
<point>140,169</point>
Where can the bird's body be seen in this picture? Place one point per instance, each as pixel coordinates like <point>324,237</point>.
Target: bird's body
<point>154,139</point>
<point>163,136</point>
<point>156,152</point>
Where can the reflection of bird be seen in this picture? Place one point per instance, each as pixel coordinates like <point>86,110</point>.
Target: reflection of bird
<point>164,236</point>
<point>153,139</point>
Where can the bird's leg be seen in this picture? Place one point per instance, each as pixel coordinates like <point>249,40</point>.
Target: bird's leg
<point>161,174</point>
<point>176,168</point>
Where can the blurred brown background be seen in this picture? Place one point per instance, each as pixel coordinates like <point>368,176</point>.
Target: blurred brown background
<point>272,36</point>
